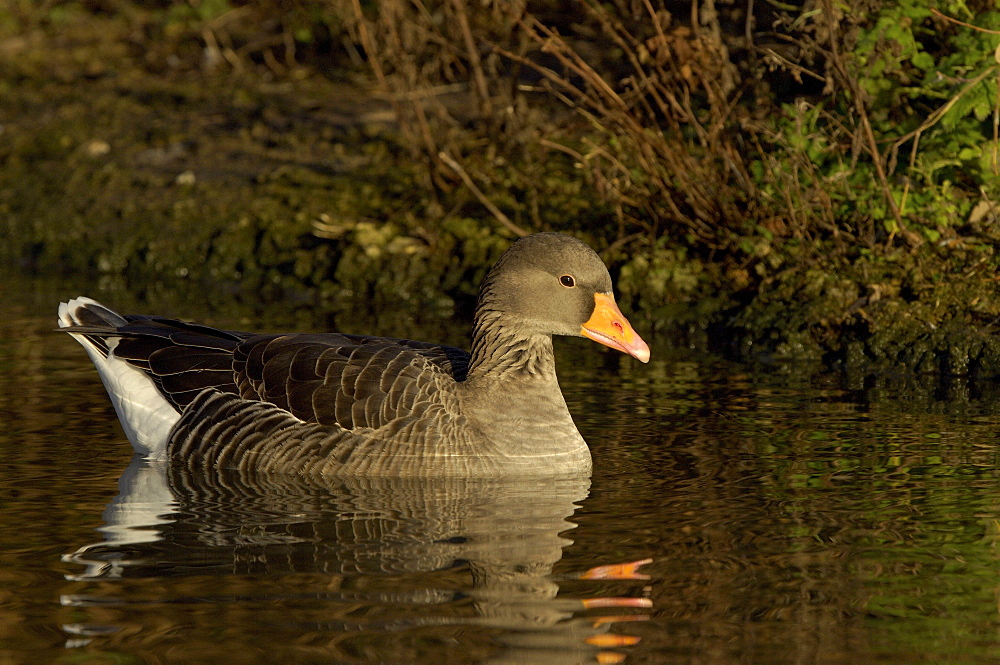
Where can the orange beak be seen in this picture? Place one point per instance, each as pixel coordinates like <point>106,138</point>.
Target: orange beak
<point>609,327</point>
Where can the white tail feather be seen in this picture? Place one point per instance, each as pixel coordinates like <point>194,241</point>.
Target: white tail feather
<point>145,414</point>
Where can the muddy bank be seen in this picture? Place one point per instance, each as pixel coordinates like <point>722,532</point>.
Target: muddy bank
<point>929,311</point>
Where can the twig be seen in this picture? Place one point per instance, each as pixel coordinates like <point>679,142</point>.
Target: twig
<point>412,78</point>
<point>933,119</point>
<point>231,15</point>
<point>369,47</point>
<point>996,105</point>
<point>773,56</point>
<point>467,179</point>
<point>996,130</point>
<point>963,23</point>
<point>939,113</point>
<point>748,35</point>
<point>424,93</point>
<point>912,165</point>
<point>212,44</point>
<point>613,247</point>
<point>869,135</point>
<point>563,148</point>
<point>485,106</point>
<point>385,90</point>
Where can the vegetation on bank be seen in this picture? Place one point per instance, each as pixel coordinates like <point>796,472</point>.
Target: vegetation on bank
<point>813,182</point>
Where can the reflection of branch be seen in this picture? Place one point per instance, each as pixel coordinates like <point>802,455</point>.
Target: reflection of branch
<point>467,179</point>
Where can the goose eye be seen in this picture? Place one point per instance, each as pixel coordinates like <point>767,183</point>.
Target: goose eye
<point>567,280</point>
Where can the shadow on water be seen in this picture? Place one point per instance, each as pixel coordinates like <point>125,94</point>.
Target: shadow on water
<point>411,570</point>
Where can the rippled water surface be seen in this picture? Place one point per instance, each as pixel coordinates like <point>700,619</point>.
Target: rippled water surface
<point>789,518</point>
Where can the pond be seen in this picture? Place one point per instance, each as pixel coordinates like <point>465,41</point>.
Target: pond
<point>787,516</point>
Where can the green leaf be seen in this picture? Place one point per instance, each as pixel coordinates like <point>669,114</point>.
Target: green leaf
<point>923,60</point>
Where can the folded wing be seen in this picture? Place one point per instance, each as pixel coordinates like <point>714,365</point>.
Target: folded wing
<point>327,379</point>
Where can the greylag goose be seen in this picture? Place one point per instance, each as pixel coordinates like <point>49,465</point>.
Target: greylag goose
<point>337,404</point>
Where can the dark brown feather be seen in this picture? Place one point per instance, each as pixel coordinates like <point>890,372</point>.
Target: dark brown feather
<point>340,379</point>
<point>182,358</point>
<point>329,379</point>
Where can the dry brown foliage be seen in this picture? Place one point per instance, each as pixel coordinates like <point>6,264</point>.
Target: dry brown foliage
<point>657,95</point>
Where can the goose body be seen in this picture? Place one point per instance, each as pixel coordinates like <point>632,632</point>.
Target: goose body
<point>336,404</point>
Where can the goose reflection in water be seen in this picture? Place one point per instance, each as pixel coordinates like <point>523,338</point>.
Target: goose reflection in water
<point>454,559</point>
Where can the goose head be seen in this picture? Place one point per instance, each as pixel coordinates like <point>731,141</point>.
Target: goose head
<point>553,284</point>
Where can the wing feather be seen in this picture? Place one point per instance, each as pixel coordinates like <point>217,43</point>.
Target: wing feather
<point>328,379</point>
<point>181,358</point>
<point>344,380</point>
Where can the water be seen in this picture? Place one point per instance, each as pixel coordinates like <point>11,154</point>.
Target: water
<point>790,518</point>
